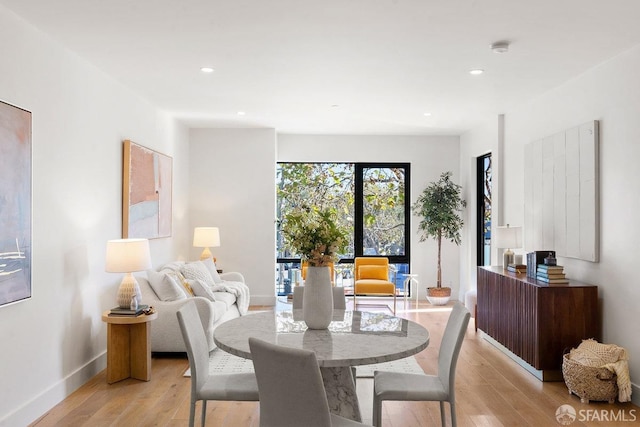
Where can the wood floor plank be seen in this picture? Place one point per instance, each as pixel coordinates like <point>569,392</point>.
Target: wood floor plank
<point>492,390</point>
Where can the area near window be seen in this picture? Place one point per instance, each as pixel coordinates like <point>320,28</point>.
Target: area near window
<point>373,202</point>
<point>483,183</point>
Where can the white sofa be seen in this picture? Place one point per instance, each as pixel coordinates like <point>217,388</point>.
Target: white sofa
<point>214,307</point>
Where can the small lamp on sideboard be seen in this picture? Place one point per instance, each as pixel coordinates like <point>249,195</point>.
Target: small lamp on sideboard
<point>127,256</point>
<point>508,238</point>
<point>206,237</point>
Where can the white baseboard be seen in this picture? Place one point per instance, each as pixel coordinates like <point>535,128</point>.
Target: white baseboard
<point>38,406</point>
<point>263,300</point>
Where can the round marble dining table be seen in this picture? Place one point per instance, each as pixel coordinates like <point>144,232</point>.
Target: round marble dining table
<point>353,338</point>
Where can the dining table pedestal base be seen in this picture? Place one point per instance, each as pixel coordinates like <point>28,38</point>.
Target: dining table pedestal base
<point>340,386</point>
<point>353,338</point>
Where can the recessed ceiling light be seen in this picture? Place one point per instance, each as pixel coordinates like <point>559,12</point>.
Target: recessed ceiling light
<point>241,113</point>
<point>427,114</point>
<point>476,72</point>
<point>207,69</point>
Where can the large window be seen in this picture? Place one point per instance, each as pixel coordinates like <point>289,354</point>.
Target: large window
<point>373,200</point>
<point>381,210</point>
<point>483,182</point>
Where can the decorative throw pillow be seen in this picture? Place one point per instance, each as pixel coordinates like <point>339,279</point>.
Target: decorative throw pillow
<point>213,270</point>
<point>165,286</point>
<point>373,272</point>
<point>197,271</point>
<point>200,289</point>
<point>173,266</point>
<point>187,287</point>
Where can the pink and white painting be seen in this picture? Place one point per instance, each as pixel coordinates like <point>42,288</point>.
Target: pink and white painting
<point>15,204</point>
<point>146,193</point>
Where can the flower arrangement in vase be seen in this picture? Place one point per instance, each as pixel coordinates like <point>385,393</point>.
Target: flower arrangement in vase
<point>315,235</point>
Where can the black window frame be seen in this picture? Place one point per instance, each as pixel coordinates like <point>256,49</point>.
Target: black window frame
<point>480,209</point>
<point>358,225</point>
<point>359,209</point>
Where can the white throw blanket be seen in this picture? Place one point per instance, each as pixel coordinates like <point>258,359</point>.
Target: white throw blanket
<point>239,289</point>
<point>594,354</point>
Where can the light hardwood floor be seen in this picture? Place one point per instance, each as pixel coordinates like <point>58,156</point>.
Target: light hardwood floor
<point>491,390</point>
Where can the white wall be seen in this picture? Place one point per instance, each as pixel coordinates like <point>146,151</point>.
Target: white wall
<point>54,342</point>
<point>429,156</point>
<point>607,93</point>
<point>474,144</point>
<point>232,176</point>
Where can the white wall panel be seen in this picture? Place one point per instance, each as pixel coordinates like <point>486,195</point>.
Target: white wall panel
<point>559,201</point>
<point>548,191</point>
<point>528,194</point>
<point>564,206</point>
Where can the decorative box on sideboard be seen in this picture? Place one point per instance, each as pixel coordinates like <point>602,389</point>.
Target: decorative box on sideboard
<point>535,321</point>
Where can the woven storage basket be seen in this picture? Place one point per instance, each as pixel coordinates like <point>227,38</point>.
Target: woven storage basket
<point>588,383</point>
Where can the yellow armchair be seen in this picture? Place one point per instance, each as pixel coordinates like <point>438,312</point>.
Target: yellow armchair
<point>371,277</point>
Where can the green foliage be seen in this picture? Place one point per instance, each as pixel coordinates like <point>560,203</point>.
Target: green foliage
<point>487,196</point>
<point>316,186</point>
<point>383,210</point>
<point>439,206</point>
<point>330,186</point>
<point>314,234</point>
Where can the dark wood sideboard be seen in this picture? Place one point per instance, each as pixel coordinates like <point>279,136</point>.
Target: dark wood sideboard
<point>535,321</point>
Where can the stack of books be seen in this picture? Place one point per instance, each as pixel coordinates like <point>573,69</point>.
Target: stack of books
<point>117,311</point>
<point>551,274</point>
<point>517,268</point>
<point>534,259</point>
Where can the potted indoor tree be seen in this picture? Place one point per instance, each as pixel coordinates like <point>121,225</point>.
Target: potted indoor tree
<point>439,207</point>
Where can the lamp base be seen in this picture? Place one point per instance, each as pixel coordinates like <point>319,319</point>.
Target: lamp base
<point>128,288</point>
<point>507,258</point>
<point>206,254</point>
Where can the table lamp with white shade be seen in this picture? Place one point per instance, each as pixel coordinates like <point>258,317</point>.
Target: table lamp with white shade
<point>508,238</point>
<point>206,237</point>
<point>128,256</point>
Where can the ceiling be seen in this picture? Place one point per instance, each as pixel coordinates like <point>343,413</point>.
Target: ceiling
<point>338,66</point>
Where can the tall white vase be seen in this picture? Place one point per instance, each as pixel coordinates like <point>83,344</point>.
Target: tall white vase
<point>317,300</point>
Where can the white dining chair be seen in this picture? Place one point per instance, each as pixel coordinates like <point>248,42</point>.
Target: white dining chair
<point>414,387</point>
<point>292,393</point>
<point>339,300</point>
<point>241,387</point>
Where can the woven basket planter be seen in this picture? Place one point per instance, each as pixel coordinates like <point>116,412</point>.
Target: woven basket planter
<point>588,383</point>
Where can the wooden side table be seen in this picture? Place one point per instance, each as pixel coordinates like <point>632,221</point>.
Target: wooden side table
<point>128,346</point>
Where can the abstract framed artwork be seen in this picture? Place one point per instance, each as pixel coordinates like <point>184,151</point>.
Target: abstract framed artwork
<point>146,193</point>
<point>15,204</point>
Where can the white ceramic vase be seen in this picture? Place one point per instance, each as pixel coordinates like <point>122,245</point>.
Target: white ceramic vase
<point>317,300</point>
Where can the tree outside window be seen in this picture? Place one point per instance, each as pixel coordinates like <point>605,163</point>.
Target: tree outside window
<point>370,200</point>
